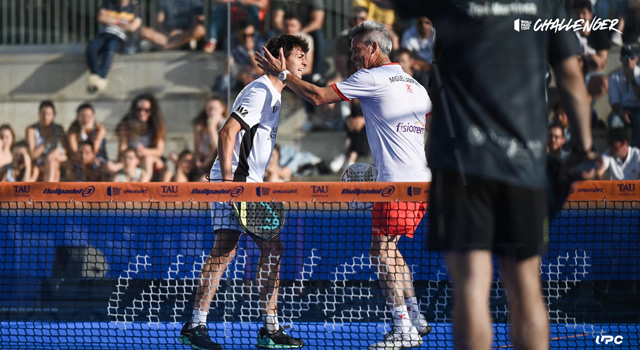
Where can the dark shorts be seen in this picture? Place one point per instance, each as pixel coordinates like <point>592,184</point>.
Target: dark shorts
<point>396,219</point>
<point>511,221</point>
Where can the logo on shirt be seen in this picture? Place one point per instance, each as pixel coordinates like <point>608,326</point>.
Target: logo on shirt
<point>276,108</point>
<point>409,90</point>
<point>416,128</point>
<point>274,133</point>
<point>242,111</point>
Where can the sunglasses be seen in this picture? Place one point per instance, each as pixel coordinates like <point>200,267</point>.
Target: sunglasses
<point>146,110</point>
<point>248,35</point>
<point>628,57</point>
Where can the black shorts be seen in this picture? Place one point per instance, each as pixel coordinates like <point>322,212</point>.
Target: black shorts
<point>509,220</point>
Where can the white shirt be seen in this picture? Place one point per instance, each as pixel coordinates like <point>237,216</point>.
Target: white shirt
<point>619,170</point>
<point>257,109</point>
<point>422,46</point>
<point>395,107</point>
<point>622,92</point>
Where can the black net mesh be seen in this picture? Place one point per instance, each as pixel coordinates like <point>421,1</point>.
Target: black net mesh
<point>124,276</point>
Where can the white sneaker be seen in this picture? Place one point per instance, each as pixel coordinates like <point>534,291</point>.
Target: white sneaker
<point>396,339</point>
<point>421,325</point>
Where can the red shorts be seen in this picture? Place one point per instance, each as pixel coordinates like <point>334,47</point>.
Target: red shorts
<point>391,218</point>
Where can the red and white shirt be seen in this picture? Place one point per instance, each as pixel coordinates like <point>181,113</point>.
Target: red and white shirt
<point>395,107</point>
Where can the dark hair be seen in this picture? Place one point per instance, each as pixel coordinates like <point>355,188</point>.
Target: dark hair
<point>85,143</point>
<point>8,127</point>
<point>288,43</point>
<point>21,143</point>
<point>288,16</point>
<point>85,106</point>
<point>619,134</point>
<point>358,9</point>
<point>628,50</point>
<point>356,108</point>
<point>581,5</point>
<point>184,152</point>
<point>556,125</point>
<point>131,125</point>
<point>74,128</point>
<point>395,54</point>
<point>244,24</point>
<point>47,103</point>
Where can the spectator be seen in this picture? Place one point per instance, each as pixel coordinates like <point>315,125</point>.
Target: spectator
<point>629,24</point>
<point>241,63</point>
<point>85,128</point>
<point>311,13</point>
<point>21,168</point>
<point>381,11</point>
<point>47,143</point>
<point>356,143</point>
<point>7,138</point>
<point>594,44</point>
<point>251,10</point>
<point>85,166</point>
<point>143,129</point>
<point>624,94</point>
<point>185,168</point>
<point>405,58</point>
<point>555,142</point>
<point>117,18</point>
<point>620,160</point>
<point>560,118</point>
<point>420,39</point>
<point>293,26</point>
<point>205,133</point>
<point>179,23</point>
<point>275,172</point>
<point>342,57</point>
<point>131,171</point>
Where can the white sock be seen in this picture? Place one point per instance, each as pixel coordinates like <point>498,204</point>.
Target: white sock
<point>413,307</point>
<point>198,317</point>
<point>401,318</point>
<point>271,323</point>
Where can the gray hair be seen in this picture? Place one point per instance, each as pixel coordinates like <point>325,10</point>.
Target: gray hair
<point>371,32</point>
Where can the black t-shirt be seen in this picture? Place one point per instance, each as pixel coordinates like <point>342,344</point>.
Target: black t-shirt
<point>301,8</point>
<point>494,82</point>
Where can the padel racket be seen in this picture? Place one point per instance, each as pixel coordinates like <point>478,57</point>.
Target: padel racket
<point>262,220</point>
<point>360,172</point>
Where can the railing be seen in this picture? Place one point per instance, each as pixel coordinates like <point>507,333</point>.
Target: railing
<point>52,22</point>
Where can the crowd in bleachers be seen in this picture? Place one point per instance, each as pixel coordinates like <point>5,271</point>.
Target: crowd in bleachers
<point>50,152</point>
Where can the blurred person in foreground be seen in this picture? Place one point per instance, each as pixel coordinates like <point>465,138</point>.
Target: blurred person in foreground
<point>489,189</point>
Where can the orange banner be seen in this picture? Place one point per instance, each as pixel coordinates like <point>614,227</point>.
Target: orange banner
<point>280,192</point>
<point>215,192</point>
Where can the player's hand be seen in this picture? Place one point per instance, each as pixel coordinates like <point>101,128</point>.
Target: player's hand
<point>579,166</point>
<point>270,64</point>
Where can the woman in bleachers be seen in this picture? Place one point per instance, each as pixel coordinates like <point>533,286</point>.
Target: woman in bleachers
<point>86,166</point>
<point>205,129</point>
<point>185,169</point>
<point>143,129</point>
<point>85,128</point>
<point>47,141</point>
<point>21,167</point>
<point>7,138</point>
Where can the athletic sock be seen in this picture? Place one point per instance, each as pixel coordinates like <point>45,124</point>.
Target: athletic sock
<point>401,318</point>
<point>198,317</point>
<point>413,308</point>
<point>271,323</point>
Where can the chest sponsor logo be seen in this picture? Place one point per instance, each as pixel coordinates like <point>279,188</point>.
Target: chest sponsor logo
<point>415,128</point>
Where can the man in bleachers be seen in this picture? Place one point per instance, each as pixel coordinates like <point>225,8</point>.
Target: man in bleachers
<point>117,18</point>
<point>594,44</point>
<point>624,94</point>
<point>342,57</point>
<point>311,13</point>
<point>555,142</point>
<point>179,23</point>
<point>621,161</point>
<point>420,39</point>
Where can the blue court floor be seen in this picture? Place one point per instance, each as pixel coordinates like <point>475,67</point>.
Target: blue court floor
<point>318,336</point>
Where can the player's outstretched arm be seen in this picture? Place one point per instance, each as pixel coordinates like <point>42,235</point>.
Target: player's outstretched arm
<point>226,144</point>
<point>312,93</point>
